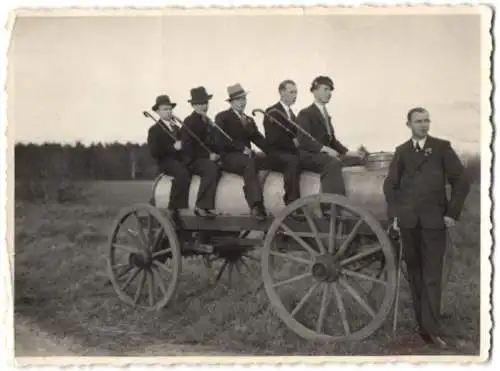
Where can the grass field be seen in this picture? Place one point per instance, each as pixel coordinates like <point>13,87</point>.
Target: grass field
<point>61,284</point>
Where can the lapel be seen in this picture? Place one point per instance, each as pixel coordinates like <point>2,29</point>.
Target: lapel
<point>237,119</point>
<point>166,129</point>
<point>420,158</point>
<point>322,120</point>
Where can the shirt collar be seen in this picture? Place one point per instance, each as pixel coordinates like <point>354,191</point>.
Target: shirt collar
<point>321,107</point>
<point>287,108</point>
<point>168,124</point>
<point>421,142</point>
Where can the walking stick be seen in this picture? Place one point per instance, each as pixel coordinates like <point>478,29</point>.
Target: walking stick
<point>147,114</point>
<point>398,283</point>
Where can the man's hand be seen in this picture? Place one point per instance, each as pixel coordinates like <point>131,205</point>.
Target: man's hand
<point>354,154</point>
<point>296,142</point>
<point>395,224</point>
<point>214,157</point>
<point>449,222</point>
<point>178,145</point>
<point>247,151</point>
<point>330,151</point>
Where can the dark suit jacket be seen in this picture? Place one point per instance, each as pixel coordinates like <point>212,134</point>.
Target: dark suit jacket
<point>160,144</point>
<point>242,135</point>
<point>191,148</point>
<point>415,187</point>
<point>312,121</point>
<point>277,137</point>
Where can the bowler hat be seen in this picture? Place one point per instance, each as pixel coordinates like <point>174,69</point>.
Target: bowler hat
<point>163,99</point>
<point>235,91</point>
<point>321,80</point>
<point>199,95</point>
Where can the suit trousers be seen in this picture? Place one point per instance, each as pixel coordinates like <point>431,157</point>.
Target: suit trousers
<point>289,165</point>
<point>329,168</point>
<point>210,174</point>
<point>423,251</point>
<point>248,167</point>
<point>179,193</point>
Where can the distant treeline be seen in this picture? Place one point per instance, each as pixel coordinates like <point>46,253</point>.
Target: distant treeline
<point>53,171</point>
<point>109,161</point>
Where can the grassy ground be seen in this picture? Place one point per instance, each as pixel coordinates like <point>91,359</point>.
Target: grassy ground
<point>61,284</point>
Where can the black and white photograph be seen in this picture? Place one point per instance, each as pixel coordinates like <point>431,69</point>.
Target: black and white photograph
<point>250,182</point>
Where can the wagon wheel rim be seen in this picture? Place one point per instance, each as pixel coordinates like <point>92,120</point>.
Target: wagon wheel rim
<point>326,281</point>
<point>148,276</point>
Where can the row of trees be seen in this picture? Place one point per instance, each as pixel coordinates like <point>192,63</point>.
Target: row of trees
<point>112,161</point>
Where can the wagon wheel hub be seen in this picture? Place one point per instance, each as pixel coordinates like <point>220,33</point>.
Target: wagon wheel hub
<point>143,260</point>
<point>325,268</point>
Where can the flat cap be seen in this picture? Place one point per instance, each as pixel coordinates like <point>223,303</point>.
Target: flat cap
<point>321,80</point>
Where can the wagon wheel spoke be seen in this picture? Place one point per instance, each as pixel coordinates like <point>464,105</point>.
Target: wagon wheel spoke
<point>131,278</point>
<point>125,271</point>
<point>251,257</point>
<point>127,248</point>
<point>163,289</point>
<point>293,279</point>
<point>324,305</point>
<point>340,306</point>
<point>162,266</point>
<point>157,239</point>
<point>299,240</point>
<point>140,230</point>
<point>252,273</point>
<point>361,255</point>
<point>332,236</point>
<point>222,269</point>
<point>230,274</point>
<point>348,272</point>
<point>358,298</point>
<point>291,257</point>
<point>140,287</point>
<point>314,230</point>
<point>150,229</point>
<point>151,292</point>
<point>161,252</point>
<point>304,299</point>
<point>349,238</point>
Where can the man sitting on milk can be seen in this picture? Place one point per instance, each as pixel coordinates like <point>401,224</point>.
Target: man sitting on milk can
<point>320,150</point>
<point>415,190</point>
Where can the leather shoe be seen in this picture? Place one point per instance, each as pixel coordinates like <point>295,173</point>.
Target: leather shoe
<point>204,213</point>
<point>258,213</point>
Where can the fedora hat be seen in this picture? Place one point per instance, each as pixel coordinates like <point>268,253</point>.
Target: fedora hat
<point>235,91</point>
<point>199,95</point>
<point>163,99</point>
<point>322,80</point>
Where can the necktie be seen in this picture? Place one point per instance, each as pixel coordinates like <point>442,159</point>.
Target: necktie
<point>417,147</point>
<point>327,121</point>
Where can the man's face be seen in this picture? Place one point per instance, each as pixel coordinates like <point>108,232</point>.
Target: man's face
<point>419,124</point>
<point>289,95</point>
<point>201,108</point>
<point>239,104</point>
<point>323,93</point>
<point>165,112</point>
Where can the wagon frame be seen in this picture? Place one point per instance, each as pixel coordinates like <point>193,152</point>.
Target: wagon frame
<point>336,243</point>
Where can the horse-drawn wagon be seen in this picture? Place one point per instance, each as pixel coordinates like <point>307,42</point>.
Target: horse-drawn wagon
<point>329,276</point>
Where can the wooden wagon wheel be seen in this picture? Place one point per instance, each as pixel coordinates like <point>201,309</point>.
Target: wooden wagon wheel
<point>328,265</point>
<point>144,262</point>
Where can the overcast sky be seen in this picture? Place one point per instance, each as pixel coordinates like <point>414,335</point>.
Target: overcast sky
<point>89,78</point>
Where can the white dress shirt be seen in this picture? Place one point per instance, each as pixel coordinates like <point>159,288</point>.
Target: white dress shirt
<point>421,142</point>
<point>287,109</point>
